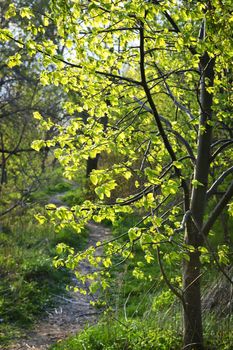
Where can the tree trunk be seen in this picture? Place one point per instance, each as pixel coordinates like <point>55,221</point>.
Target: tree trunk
<point>193,333</point>
<point>92,164</point>
<point>3,179</point>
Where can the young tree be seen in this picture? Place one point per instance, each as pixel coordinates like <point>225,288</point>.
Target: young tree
<point>160,72</point>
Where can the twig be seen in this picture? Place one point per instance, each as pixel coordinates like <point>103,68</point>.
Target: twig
<point>171,287</point>
<point>125,312</point>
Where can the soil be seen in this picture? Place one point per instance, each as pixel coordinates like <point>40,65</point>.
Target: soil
<point>72,313</point>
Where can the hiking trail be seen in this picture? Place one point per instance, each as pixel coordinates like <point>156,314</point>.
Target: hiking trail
<point>73,312</point>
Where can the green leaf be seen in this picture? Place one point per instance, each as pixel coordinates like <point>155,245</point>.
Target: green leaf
<point>14,60</point>
<point>11,12</point>
<point>50,206</point>
<point>223,254</point>
<point>107,262</point>
<point>177,164</point>
<point>134,233</point>
<point>94,287</point>
<point>40,218</point>
<point>100,192</point>
<point>37,115</point>
<point>230,208</point>
<point>94,179</point>
<point>69,43</point>
<point>26,12</point>
<point>38,144</point>
<point>196,183</point>
<point>127,175</point>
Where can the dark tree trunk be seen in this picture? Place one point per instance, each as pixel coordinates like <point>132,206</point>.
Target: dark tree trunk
<point>225,226</point>
<point>3,179</point>
<point>193,333</point>
<point>92,164</point>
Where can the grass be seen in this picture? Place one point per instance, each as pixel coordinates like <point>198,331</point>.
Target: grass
<point>75,196</point>
<point>143,334</point>
<point>116,335</point>
<point>48,189</point>
<point>29,280</point>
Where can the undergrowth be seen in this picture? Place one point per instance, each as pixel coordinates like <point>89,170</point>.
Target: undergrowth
<point>29,281</point>
<point>115,335</point>
<point>144,313</point>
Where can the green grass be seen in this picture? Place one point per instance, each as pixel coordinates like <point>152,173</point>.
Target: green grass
<point>29,280</point>
<point>75,196</point>
<point>48,189</point>
<point>116,335</point>
<point>147,334</point>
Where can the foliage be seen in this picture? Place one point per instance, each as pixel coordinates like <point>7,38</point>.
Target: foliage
<point>160,74</point>
<point>21,167</point>
<point>218,336</point>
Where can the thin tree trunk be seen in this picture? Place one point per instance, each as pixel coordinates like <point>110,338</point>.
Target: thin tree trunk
<point>3,179</point>
<point>193,332</point>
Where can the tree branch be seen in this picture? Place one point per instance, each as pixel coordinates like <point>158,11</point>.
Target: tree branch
<point>150,99</point>
<point>220,149</point>
<point>16,151</point>
<point>171,287</point>
<point>157,117</point>
<point>217,210</point>
<point>218,181</point>
<point>58,58</point>
<point>174,132</point>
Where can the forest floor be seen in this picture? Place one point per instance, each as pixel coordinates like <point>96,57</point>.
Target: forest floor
<point>72,313</point>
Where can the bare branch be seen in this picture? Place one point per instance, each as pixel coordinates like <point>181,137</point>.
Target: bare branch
<point>183,222</point>
<point>16,151</point>
<point>220,149</point>
<point>151,101</point>
<point>170,94</point>
<point>169,125</point>
<point>217,210</point>
<point>10,209</point>
<point>145,155</point>
<point>221,178</point>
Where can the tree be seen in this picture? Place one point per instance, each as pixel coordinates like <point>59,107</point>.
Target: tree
<point>22,167</point>
<point>160,72</point>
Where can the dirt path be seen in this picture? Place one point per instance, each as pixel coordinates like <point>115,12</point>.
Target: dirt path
<point>71,314</point>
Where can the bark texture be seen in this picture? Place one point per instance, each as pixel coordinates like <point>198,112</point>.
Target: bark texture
<point>193,332</point>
